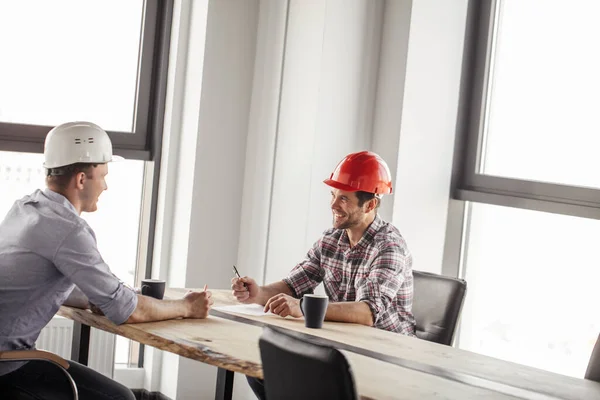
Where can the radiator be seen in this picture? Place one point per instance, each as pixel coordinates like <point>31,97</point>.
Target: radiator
<point>57,337</point>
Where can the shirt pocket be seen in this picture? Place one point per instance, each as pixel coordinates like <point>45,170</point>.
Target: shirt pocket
<point>336,281</point>
<point>334,274</point>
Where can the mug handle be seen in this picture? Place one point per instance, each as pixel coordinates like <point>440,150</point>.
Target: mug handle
<point>142,289</point>
<point>301,308</point>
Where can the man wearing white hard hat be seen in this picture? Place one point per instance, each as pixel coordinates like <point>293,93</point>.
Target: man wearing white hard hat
<point>49,257</point>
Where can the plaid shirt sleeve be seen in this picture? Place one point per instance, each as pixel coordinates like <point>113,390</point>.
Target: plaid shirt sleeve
<point>307,275</point>
<point>380,286</point>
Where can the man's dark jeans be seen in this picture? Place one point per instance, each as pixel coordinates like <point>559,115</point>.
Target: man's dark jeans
<point>44,380</point>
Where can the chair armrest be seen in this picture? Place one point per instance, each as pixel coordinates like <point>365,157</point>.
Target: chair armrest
<point>24,355</point>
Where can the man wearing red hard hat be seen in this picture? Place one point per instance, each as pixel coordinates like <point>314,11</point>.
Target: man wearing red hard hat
<point>363,261</point>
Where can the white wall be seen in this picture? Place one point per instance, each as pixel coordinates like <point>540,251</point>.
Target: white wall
<point>265,102</point>
<point>262,138</point>
<point>327,93</point>
<point>390,93</point>
<point>428,125</point>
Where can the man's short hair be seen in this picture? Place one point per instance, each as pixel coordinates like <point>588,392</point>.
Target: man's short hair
<point>61,176</point>
<point>363,197</point>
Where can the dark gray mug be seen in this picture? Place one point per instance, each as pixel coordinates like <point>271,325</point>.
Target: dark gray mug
<point>153,288</point>
<point>314,307</point>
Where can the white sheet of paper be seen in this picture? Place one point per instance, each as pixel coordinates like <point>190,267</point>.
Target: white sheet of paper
<point>248,309</point>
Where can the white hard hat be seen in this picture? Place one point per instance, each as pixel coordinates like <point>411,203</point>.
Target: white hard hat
<point>77,142</point>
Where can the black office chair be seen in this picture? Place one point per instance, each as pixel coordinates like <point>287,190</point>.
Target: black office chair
<point>38,355</point>
<point>593,369</point>
<point>437,304</point>
<point>298,369</point>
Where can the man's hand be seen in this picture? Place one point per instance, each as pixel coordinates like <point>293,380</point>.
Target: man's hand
<point>245,289</point>
<point>284,305</point>
<point>198,304</point>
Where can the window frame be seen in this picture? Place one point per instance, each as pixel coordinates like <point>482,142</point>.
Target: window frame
<point>144,142</point>
<point>471,185</point>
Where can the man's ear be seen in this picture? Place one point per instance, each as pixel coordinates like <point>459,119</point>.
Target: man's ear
<point>372,204</point>
<point>80,180</point>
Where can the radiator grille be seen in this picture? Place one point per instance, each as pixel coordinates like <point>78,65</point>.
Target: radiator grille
<point>57,337</point>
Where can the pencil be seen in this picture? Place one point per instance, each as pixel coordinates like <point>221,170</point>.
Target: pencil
<point>236,272</point>
<point>238,275</point>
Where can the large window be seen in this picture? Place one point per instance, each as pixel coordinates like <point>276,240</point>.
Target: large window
<point>99,61</point>
<point>529,176</point>
<point>533,89</point>
<point>70,66</point>
<point>544,93</point>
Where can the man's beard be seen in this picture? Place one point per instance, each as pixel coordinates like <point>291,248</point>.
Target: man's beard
<point>349,223</point>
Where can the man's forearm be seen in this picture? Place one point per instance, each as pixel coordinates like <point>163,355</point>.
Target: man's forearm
<point>268,291</point>
<point>354,312</point>
<point>150,309</point>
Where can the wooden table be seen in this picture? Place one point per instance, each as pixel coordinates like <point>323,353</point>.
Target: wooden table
<point>385,365</point>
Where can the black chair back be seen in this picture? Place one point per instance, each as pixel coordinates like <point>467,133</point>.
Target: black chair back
<point>593,369</point>
<point>437,304</point>
<point>295,368</point>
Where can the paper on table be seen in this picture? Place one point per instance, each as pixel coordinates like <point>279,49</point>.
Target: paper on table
<point>248,309</point>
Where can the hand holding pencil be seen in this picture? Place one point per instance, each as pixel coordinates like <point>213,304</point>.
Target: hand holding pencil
<point>244,289</point>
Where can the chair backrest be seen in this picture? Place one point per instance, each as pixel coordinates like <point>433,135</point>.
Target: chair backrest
<point>298,369</point>
<point>593,369</point>
<point>437,305</point>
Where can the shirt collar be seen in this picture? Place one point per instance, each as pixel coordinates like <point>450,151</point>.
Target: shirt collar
<point>60,199</point>
<point>372,229</point>
<point>367,236</point>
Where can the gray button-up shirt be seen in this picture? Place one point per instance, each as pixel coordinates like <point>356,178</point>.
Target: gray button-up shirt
<point>46,249</point>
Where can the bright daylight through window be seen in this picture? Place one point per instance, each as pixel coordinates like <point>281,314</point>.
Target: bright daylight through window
<point>544,93</point>
<point>532,295</point>
<point>70,64</point>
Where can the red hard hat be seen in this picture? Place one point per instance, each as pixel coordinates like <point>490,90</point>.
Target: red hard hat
<point>364,171</point>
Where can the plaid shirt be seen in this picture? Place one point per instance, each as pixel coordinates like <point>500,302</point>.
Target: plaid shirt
<point>378,271</point>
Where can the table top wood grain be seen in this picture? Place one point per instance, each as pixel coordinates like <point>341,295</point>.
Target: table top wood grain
<point>233,345</point>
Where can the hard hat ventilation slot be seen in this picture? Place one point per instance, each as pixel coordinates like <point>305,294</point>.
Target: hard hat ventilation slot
<point>77,141</point>
<point>91,140</point>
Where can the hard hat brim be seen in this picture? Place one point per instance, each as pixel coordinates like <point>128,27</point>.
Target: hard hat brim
<point>113,159</point>
<point>340,186</point>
